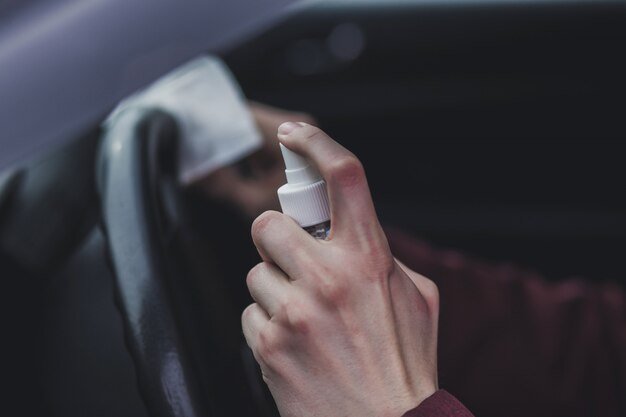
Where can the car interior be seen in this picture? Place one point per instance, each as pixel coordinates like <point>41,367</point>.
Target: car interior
<point>491,127</point>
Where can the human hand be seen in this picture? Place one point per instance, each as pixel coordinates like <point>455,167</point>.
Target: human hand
<point>339,327</point>
<point>251,185</point>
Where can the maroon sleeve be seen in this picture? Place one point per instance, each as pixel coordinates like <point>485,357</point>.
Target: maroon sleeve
<point>512,343</point>
<point>440,404</point>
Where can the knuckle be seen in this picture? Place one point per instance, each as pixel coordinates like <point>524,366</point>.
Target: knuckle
<point>255,272</point>
<point>334,292</point>
<point>296,317</point>
<point>268,345</point>
<point>246,318</point>
<point>347,171</point>
<point>262,222</point>
<point>245,315</point>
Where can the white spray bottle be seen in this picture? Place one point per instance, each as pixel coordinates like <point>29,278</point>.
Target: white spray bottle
<point>304,198</point>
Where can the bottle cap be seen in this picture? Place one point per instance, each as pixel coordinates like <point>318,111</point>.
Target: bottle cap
<point>304,197</point>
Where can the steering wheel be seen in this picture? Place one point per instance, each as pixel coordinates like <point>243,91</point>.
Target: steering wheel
<point>183,334</point>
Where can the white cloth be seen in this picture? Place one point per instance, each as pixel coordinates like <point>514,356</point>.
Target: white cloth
<point>205,99</point>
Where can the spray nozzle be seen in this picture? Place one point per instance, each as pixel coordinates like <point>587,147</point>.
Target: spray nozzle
<point>297,169</point>
<point>304,196</point>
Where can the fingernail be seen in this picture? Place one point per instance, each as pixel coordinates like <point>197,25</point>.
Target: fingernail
<point>287,127</point>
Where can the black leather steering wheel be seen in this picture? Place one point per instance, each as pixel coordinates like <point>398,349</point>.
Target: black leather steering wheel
<point>183,335</point>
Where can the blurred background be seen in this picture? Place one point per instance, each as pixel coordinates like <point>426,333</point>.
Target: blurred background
<point>492,127</point>
<point>496,128</point>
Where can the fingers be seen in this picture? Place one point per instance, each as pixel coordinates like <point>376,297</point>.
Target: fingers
<point>268,286</point>
<point>352,209</point>
<point>280,240</point>
<point>253,319</point>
